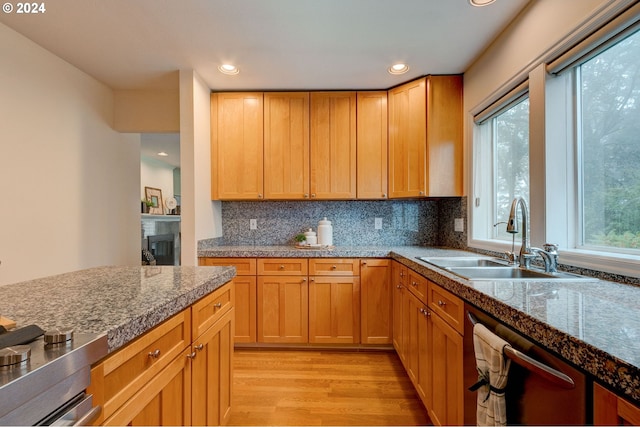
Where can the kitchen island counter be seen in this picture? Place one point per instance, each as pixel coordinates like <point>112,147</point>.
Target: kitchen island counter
<point>123,302</point>
<point>594,325</point>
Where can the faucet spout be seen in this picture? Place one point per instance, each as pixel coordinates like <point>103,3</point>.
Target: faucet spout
<point>526,254</point>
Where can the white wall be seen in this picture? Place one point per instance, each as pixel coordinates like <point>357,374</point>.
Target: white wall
<point>201,217</point>
<point>69,183</point>
<point>156,174</point>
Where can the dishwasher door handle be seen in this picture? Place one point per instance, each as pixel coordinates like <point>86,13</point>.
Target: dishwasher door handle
<point>547,372</point>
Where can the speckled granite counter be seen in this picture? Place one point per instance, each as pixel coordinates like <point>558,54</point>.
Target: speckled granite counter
<point>594,325</point>
<point>122,302</point>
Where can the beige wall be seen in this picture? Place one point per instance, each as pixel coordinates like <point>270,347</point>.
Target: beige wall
<point>69,183</point>
<point>147,111</point>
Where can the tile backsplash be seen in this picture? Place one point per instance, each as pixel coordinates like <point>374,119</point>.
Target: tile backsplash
<point>404,222</point>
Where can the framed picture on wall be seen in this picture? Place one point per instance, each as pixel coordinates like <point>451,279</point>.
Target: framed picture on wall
<point>155,196</point>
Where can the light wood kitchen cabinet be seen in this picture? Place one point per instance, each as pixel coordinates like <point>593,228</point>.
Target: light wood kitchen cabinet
<point>334,309</point>
<point>612,410</point>
<point>212,367</point>
<point>399,276</point>
<point>333,145</point>
<point>408,140</point>
<point>173,373</point>
<point>334,301</point>
<point>286,145</point>
<point>372,145</point>
<point>376,301</point>
<point>283,309</point>
<point>425,138</point>
<point>237,145</point>
<point>164,401</point>
<point>245,295</point>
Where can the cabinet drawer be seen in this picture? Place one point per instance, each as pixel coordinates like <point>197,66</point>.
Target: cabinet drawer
<point>448,306</point>
<point>206,311</point>
<point>334,267</point>
<point>417,285</point>
<point>282,267</point>
<point>122,374</point>
<point>244,266</point>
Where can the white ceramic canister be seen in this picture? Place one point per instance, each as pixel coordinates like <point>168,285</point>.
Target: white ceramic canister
<point>325,232</point>
<point>310,237</point>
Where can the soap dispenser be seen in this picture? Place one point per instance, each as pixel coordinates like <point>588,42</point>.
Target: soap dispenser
<point>310,237</point>
<point>325,232</point>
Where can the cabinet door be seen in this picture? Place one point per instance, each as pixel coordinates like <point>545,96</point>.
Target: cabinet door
<point>212,368</point>
<point>446,352</point>
<point>611,410</point>
<point>333,145</point>
<point>412,316</point>
<point>245,309</point>
<point>372,145</point>
<point>377,301</point>
<point>163,401</point>
<point>398,274</point>
<point>283,310</point>
<point>334,309</point>
<point>286,145</point>
<point>408,140</point>
<point>237,146</point>
<point>444,135</point>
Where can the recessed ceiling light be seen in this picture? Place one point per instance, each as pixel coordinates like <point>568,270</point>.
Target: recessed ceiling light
<point>398,68</point>
<point>163,154</point>
<point>480,3</point>
<point>228,69</point>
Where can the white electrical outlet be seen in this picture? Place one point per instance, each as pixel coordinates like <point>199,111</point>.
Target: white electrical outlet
<point>378,223</point>
<point>253,224</point>
<point>458,225</point>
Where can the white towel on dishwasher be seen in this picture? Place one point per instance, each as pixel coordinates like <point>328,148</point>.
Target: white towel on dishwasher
<point>493,369</point>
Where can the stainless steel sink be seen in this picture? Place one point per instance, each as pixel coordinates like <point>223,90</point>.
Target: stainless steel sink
<point>483,268</point>
<point>452,262</point>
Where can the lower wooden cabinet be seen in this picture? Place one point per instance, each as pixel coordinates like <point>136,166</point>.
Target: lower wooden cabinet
<point>612,410</point>
<point>179,373</point>
<point>334,310</point>
<point>376,307</point>
<point>163,401</point>
<point>212,367</point>
<point>283,309</point>
<point>398,280</point>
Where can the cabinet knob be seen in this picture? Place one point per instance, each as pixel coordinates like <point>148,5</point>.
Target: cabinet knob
<point>154,354</point>
<point>398,286</point>
<point>421,193</point>
<point>217,305</point>
<point>281,267</point>
<point>414,284</point>
<point>199,347</point>
<point>333,267</point>
<point>384,196</point>
<point>364,262</point>
<point>259,196</point>
<point>191,355</point>
<point>313,195</point>
<point>441,303</point>
<point>304,280</point>
<point>306,195</point>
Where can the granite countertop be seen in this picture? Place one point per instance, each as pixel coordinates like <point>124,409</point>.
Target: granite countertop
<point>594,325</point>
<point>122,302</point>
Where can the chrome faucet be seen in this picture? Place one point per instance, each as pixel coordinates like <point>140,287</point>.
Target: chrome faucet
<point>526,254</point>
<point>550,252</point>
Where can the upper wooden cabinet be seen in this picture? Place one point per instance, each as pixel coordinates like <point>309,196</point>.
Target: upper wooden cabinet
<point>425,138</point>
<point>237,146</point>
<point>372,145</point>
<point>333,145</point>
<point>286,145</point>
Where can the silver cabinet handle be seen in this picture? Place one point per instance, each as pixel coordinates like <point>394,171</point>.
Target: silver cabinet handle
<point>217,305</point>
<point>441,303</point>
<point>199,347</point>
<point>154,354</point>
<point>313,194</point>
<point>192,355</point>
<point>306,195</point>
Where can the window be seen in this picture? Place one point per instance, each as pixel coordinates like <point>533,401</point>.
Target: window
<point>608,119</point>
<point>502,167</point>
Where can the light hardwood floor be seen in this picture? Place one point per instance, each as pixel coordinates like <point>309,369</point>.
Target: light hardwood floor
<point>323,388</point>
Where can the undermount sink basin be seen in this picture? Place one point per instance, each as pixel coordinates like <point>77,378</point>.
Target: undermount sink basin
<point>452,262</point>
<point>478,268</point>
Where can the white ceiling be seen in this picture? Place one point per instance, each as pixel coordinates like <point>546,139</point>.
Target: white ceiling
<point>277,44</point>
<point>153,143</point>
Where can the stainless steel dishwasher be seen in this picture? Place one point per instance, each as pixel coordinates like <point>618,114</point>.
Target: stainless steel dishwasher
<point>541,388</point>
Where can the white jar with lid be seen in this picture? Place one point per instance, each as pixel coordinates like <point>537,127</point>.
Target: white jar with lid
<point>310,237</point>
<point>325,232</point>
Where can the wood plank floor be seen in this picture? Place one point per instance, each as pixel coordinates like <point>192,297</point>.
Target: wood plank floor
<point>323,388</point>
